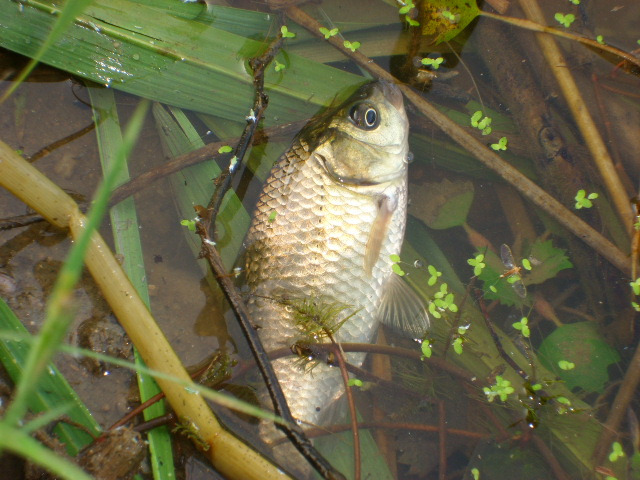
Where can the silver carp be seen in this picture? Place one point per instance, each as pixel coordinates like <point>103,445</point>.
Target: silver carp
<point>329,217</point>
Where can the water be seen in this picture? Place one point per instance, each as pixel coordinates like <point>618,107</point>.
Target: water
<point>543,141</point>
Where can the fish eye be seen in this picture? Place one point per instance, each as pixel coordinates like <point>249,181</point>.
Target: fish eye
<point>364,116</point>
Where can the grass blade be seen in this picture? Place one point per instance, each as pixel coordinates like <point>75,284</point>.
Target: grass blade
<point>52,389</point>
<point>124,223</point>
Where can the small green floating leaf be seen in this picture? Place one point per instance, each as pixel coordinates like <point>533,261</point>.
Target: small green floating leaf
<point>565,20</point>
<point>432,62</point>
<point>279,66</point>
<point>286,33</point>
<point>190,224</point>
<point>353,46</point>
<point>394,257</point>
<point>272,216</point>
<point>616,452</point>
<point>355,382</point>
<point>408,6</point>
<point>225,149</point>
<point>566,365</point>
<point>426,348</point>
<point>501,145</point>
<point>523,326</point>
<point>397,269</point>
<point>328,33</point>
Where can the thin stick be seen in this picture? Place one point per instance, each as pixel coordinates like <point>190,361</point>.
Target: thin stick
<point>352,407</point>
<point>490,159</point>
<point>537,27</point>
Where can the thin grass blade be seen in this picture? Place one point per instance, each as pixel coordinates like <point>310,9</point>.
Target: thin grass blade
<point>124,223</point>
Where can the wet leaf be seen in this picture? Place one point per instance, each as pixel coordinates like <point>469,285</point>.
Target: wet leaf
<point>445,19</point>
<point>582,345</point>
<point>547,262</point>
<point>443,205</point>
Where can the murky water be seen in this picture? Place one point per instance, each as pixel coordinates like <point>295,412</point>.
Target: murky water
<point>434,421</point>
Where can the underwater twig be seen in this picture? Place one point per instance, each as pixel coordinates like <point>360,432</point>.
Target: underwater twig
<point>537,27</point>
<point>489,158</point>
<point>357,467</point>
<point>194,157</point>
<point>205,228</point>
<point>588,129</point>
<point>59,143</point>
<point>260,102</point>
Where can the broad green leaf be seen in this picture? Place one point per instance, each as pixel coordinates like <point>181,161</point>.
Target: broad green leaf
<point>443,205</point>
<point>66,16</point>
<point>547,261</point>
<point>581,344</point>
<point>171,58</point>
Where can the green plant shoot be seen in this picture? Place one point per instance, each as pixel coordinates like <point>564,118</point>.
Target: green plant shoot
<point>566,365</point>
<point>279,66</point>
<point>481,123</point>
<point>477,264</point>
<point>565,20</point>
<point>427,349</point>
<point>397,269</point>
<point>502,389</point>
<point>190,224</point>
<point>434,274</point>
<point>353,46</point>
<point>616,452</point>
<point>583,200</point>
<point>286,33</point>
<point>432,62</point>
<point>328,33</point>
<point>501,145</point>
<point>523,326</point>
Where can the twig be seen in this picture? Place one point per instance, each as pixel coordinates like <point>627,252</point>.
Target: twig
<point>352,406</point>
<point>59,143</point>
<point>206,230</point>
<point>490,159</point>
<point>537,27</point>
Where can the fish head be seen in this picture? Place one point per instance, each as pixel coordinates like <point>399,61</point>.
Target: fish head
<point>368,139</point>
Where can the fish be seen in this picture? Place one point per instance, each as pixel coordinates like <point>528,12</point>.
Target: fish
<point>329,217</point>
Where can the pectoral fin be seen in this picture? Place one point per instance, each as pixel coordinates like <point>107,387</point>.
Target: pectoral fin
<point>378,232</point>
<point>402,309</point>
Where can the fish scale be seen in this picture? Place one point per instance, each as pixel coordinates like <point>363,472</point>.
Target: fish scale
<point>311,234</point>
